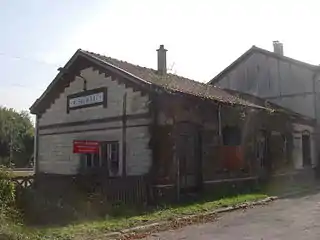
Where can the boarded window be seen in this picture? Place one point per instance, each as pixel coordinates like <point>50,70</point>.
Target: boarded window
<point>231,136</point>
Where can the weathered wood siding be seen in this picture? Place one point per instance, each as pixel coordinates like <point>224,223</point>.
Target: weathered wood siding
<point>286,84</point>
<point>55,142</point>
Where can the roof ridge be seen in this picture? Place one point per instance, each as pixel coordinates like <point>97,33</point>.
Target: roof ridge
<point>255,49</point>
<point>104,56</point>
<point>136,65</point>
<point>172,81</point>
<point>285,57</point>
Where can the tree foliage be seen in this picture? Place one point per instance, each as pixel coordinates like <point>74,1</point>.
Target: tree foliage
<point>16,138</point>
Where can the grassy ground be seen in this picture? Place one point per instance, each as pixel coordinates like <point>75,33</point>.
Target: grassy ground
<point>124,217</point>
<point>94,229</point>
<point>127,218</point>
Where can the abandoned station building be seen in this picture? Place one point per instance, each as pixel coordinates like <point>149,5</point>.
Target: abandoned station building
<point>109,117</point>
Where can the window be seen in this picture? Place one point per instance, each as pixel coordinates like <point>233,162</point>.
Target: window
<point>108,159</point>
<point>91,160</point>
<point>231,136</point>
<point>111,157</point>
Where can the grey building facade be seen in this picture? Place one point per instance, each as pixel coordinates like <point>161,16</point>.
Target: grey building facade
<point>279,79</point>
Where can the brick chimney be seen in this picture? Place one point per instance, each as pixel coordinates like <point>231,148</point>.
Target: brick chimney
<point>278,47</point>
<point>162,60</point>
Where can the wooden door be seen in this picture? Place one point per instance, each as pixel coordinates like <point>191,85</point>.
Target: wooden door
<point>188,156</point>
<point>306,150</point>
<point>264,162</point>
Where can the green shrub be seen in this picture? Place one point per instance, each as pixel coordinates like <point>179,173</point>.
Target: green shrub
<point>7,188</point>
<point>11,227</point>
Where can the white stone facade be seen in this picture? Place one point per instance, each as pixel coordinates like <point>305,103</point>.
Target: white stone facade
<point>57,113</point>
<point>55,150</point>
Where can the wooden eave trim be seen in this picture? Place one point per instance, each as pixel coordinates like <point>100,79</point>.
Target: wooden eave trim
<point>33,108</point>
<point>66,79</point>
<point>101,66</point>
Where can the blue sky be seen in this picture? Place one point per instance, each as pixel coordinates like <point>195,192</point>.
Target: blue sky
<point>203,36</point>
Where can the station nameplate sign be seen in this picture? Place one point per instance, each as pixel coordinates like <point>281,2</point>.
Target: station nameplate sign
<point>87,99</point>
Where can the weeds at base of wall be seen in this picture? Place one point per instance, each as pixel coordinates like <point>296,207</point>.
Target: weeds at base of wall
<point>11,223</point>
<point>96,229</point>
<point>114,216</point>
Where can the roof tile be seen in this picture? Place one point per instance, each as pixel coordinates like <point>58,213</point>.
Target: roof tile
<point>174,82</point>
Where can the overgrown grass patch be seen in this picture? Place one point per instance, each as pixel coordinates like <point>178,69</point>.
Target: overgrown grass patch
<point>119,216</point>
<point>170,212</point>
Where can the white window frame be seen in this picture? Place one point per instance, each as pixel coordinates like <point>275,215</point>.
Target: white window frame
<point>108,145</point>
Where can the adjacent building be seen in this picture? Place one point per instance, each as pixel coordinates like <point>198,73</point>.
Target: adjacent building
<point>283,81</point>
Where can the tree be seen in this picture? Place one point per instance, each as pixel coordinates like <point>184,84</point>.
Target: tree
<point>16,137</point>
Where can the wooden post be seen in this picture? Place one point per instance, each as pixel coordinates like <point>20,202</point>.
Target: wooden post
<point>219,121</point>
<point>36,146</point>
<point>124,136</point>
<point>153,130</point>
<point>178,179</point>
<point>176,159</point>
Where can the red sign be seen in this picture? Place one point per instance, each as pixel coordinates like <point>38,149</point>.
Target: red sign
<point>85,146</point>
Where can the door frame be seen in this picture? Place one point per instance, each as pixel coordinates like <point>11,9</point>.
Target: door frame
<point>194,130</point>
<point>306,149</point>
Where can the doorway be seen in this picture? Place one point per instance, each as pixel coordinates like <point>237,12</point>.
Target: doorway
<point>264,163</point>
<point>110,158</point>
<point>188,157</point>
<point>306,150</point>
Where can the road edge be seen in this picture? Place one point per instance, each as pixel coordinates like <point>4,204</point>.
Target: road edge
<point>163,225</point>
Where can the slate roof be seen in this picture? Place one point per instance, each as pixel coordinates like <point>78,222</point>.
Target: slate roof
<point>172,82</point>
<point>255,49</point>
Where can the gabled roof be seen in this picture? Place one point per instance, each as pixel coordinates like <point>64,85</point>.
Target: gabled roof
<point>148,77</point>
<point>173,82</point>
<point>255,49</point>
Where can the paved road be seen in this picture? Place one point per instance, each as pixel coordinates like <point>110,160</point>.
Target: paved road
<point>286,219</point>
